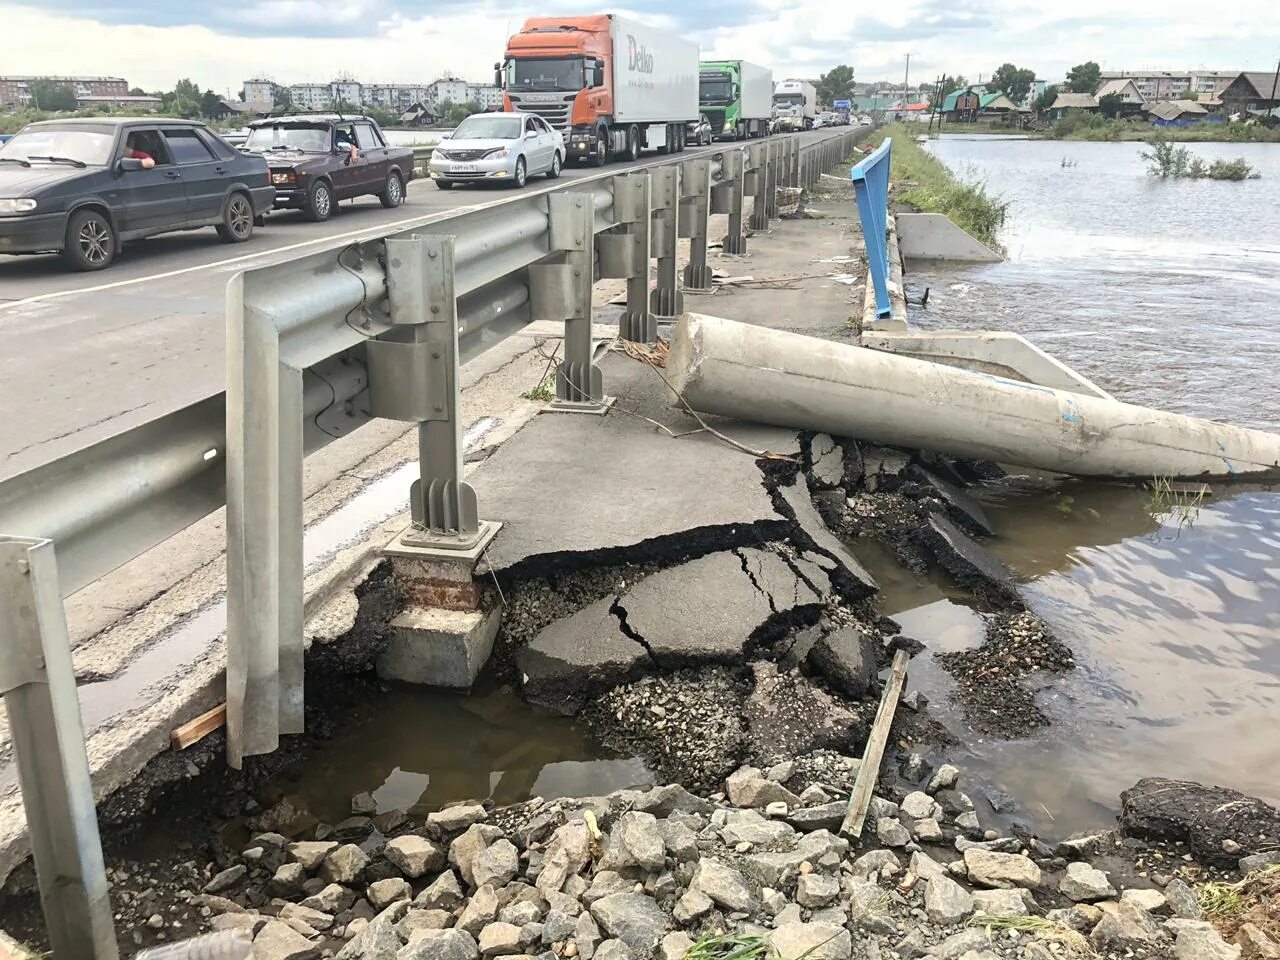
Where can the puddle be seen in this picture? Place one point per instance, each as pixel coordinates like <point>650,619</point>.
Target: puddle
<point>417,749</point>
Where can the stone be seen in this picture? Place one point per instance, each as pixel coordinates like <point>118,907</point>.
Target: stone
<point>1082,846</point>
<point>1182,900</point>
<point>459,817</point>
<point>310,853</point>
<point>815,890</point>
<point>635,841</point>
<point>846,657</point>
<point>444,893</point>
<point>1002,903</point>
<point>312,918</point>
<point>1084,883</point>
<point>499,939</point>
<point>415,856</point>
<point>520,913</point>
<point>607,882</point>
<point>973,940</point>
<point>954,802</point>
<point>332,898</point>
<point>1198,940</point>
<point>481,909</point>
<point>1123,926</point>
<point>383,893</point>
<point>453,944</point>
<point>692,907</point>
<point>680,841</point>
<point>279,941</point>
<point>364,804</point>
<point>586,934</point>
<point>673,946</point>
<point>776,809</point>
<point>1201,816</point>
<point>723,884</point>
<point>927,830</point>
<point>613,950</point>
<point>288,878</point>
<point>633,918</point>
<point>892,833</point>
<point>945,901</point>
<point>1153,901</point>
<point>944,778</point>
<point>345,864</point>
<point>1081,917</point>
<point>991,869</point>
<point>416,920</point>
<point>662,802</point>
<point>1259,861</point>
<point>768,869</point>
<point>874,861</point>
<point>919,805</point>
<point>226,879</point>
<point>1256,945</point>
<point>470,844</point>
<point>497,864</point>
<point>567,854</point>
<point>748,787</point>
<point>749,827</point>
<point>968,821</point>
<point>813,941</point>
<point>826,816</point>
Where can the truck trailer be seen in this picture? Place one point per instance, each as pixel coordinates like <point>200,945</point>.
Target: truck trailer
<point>613,86</point>
<point>795,104</point>
<point>736,97</point>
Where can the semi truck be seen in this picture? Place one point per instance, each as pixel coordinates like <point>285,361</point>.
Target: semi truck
<point>736,97</point>
<point>611,85</point>
<point>795,104</point>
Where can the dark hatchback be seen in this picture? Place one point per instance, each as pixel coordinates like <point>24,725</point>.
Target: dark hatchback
<point>81,188</point>
<point>318,159</point>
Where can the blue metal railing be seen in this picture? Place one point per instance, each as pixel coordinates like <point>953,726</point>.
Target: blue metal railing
<point>871,187</point>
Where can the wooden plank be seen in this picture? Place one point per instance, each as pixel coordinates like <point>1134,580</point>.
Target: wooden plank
<point>869,772</point>
<point>196,730</point>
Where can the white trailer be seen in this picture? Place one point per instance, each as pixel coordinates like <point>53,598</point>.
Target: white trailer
<point>757,92</point>
<point>655,82</point>
<point>795,104</point>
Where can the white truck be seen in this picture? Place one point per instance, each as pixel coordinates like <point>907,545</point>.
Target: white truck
<point>795,104</point>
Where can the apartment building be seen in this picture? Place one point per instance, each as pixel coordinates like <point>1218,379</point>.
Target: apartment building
<point>263,93</point>
<point>1175,84</point>
<point>15,91</point>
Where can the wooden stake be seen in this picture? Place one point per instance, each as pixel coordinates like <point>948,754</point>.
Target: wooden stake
<point>196,730</point>
<point>869,772</point>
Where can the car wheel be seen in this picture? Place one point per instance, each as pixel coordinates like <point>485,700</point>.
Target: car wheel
<point>633,143</point>
<point>522,173</point>
<point>393,194</point>
<point>90,242</point>
<point>319,203</point>
<point>237,219</point>
<point>444,184</point>
<point>555,166</point>
<point>601,156</point>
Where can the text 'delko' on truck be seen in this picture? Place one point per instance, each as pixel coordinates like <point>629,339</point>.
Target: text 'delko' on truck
<point>795,104</point>
<point>736,97</point>
<point>612,86</point>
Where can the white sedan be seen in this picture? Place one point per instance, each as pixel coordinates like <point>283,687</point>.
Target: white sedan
<point>501,147</point>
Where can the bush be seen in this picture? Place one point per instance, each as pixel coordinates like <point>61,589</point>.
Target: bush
<point>1164,160</point>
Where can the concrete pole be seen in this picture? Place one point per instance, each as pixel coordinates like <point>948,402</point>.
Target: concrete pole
<point>789,380</point>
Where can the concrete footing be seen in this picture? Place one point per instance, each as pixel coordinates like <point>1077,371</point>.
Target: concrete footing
<point>439,648</point>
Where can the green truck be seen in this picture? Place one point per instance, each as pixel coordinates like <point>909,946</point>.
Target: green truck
<point>736,98</point>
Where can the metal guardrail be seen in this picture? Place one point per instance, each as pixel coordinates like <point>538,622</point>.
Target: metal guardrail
<point>871,187</point>
<point>316,346</point>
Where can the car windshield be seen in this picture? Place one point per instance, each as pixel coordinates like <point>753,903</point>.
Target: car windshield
<point>715,88</point>
<point>555,74</point>
<point>86,146</point>
<point>788,99</point>
<point>312,138</point>
<point>491,127</point>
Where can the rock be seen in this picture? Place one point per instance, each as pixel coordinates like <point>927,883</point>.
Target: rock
<point>279,941</point>
<point>776,809</point>
<point>748,787</point>
<point>441,945</point>
<point>1182,900</point>
<point>973,940</point>
<point>1002,903</point>
<point>662,802</point>
<point>1123,926</point>
<point>892,833</point>
<point>968,822</point>
<point>416,920</point>
<point>680,841</point>
<point>635,841</point>
<point>383,893</point>
<point>815,890</point>
<point>633,918</point>
<point>914,700</point>
<point>444,893</point>
<point>673,946</point>
<point>312,918</point>
<point>567,854</point>
<point>1201,816</point>
<point>497,864</point>
<point>1198,940</point>
<point>945,901</point>
<point>723,884</point>
<point>827,816</point>
<point>847,658</point>
<point>1082,917</point>
<point>613,950</point>
<point>499,939</point>
<point>813,941</point>
<point>311,853</point>
<point>289,878</point>
<point>363,804</point>
<point>747,826</point>
<point>345,864</point>
<point>520,913</point>
<point>944,778</point>
<point>920,806</point>
<point>1259,861</point>
<point>465,848</point>
<point>1153,901</point>
<point>226,879</point>
<point>1256,945</point>
<point>928,830</point>
<point>873,861</point>
<point>991,869</point>
<point>768,869</point>
<point>415,856</point>
<point>1084,883</point>
<point>586,934</point>
<point>692,907</point>
<point>333,898</point>
<point>481,909</point>
<point>453,819</point>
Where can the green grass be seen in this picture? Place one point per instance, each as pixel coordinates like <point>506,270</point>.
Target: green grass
<point>924,182</point>
<point>733,946</point>
<point>1072,942</point>
<point>1083,125</point>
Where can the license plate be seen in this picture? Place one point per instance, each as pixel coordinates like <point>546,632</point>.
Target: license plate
<point>466,168</point>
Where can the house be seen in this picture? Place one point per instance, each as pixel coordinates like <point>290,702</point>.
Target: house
<point>1175,84</point>
<point>901,111</point>
<point>15,91</point>
<point>1176,113</point>
<point>996,104</point>
<point>1131,103</point>
<point>962,105</point>
<point>1251,91</point>
<point>418,115</point>
<point>1072,101</point>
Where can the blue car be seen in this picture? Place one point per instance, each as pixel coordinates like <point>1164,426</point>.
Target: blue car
<point>81,188</point>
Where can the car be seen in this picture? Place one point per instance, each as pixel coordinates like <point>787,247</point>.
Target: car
<point>864,122</point>
<point>700,132</point>
<point>80,188</point>
<point>501,147</point>
<point>318,160</point>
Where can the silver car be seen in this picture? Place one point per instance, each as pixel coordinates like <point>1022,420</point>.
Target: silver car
<point>501,147</point>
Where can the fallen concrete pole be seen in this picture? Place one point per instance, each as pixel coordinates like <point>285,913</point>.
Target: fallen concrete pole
<point>786,379</point>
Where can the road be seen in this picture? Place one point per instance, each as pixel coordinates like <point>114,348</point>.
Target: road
<point>86,356</point>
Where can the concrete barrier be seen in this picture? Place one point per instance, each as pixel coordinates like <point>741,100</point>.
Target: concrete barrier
<point>932,236</point>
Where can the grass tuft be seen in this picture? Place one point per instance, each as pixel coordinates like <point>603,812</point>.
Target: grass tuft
<point>1072,942</point>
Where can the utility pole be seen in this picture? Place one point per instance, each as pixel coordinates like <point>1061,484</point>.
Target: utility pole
<point>1271,102</point>
<point>906,79</point>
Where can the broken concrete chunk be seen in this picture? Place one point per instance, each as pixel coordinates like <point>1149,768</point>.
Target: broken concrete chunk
<point>972,565</point>
<point>847,658</point>
<point>856,579</point>
<point>1202,816</point>
<point>827,459</point>
<point>961,508</point>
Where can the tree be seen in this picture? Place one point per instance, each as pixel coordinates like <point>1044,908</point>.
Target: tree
<point>835,84</point>
<point>211,107</point>
<point>1110,105</point>
<point>1046,99</point>
<point>51,95</point>
<point>951,84</point>
<point>1084,77</point>
<point>1015,83</point>
<point>1191,95</point>
<point>137,92</point>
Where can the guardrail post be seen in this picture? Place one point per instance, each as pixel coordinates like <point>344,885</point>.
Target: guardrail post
<point>793,162</point>
<point>727,197</point>
<point>760,167</point>
<point>38,683</point>
<point>560,289</point>
<point>666,299</point>
<point>625,253</point>
<point>695,207</point>
<point>773,155</point>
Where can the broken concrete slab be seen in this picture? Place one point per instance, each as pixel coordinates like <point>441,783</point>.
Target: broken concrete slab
<point>790,714</point>
<point>853,577</point>
<point>847,658</point>
<point>883,467</point>
<point>961,507</point>
<point>971,564</point>
<point>439,648</point>
<point>826,456</point>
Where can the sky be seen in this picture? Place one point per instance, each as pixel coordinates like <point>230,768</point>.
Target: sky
<point>153,44</point>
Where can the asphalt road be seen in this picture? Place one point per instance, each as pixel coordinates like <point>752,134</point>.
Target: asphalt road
<point>86,356</point>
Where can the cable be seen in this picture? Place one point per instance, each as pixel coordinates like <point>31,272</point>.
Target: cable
<point>364,295</point>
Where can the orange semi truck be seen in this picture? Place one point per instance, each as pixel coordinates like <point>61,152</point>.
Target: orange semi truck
<point>613,86</point>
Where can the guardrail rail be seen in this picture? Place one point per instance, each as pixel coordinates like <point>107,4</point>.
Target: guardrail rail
<point>871,187</point>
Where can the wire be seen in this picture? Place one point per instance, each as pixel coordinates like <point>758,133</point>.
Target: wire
<point>329,406</point>
<point>364,295</point>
